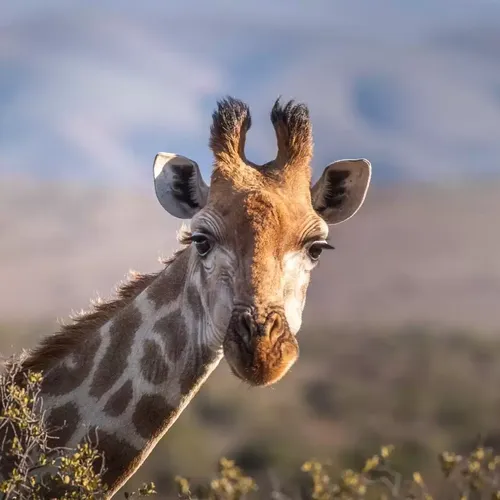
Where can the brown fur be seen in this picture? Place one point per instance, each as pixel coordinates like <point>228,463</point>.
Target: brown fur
<point>266,359</point>
<point>269,226</point>
<point>272,359</point>
<point>294,136</point>
<point>231,122</point>
<point>256,200</point>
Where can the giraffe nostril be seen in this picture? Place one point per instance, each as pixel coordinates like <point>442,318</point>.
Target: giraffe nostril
<point>248,329</point>
<point>274,326</point>
<point>246,326</point>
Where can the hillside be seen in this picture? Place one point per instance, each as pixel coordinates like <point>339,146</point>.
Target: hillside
<point>420,254</point>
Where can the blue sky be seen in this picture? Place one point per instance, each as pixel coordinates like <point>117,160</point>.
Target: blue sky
<point>93,90</point>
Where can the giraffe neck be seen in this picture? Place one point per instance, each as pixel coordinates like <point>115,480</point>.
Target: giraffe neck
<point>127,382</point>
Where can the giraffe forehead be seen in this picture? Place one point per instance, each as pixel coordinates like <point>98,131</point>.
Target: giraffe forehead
<point>260,223</point>
<point>257,211</point>
<point>282,219</point>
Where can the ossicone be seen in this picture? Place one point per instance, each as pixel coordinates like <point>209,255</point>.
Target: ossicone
<point>230,124</point>
<point>293,133</point>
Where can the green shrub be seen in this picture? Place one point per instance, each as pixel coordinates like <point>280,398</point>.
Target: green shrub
<point>26,449</point>
<point>475,476</point>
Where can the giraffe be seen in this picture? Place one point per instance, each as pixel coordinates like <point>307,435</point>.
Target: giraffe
<point>236,288</point>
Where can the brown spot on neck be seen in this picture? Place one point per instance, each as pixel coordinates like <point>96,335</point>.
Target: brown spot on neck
<point>153,367</point>
<point>173,332</point>
<point>120,457</point>
<point>119,401</point>
<point>62,423</point>
<point>63,379</point>
<point>152,415</point>
<point>114,361</point>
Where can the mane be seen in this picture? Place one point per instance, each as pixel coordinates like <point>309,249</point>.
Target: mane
<point>58,345</point>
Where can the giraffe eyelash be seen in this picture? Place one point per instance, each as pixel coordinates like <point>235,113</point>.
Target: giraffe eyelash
<point>192,237</point>
<point>186,238</point>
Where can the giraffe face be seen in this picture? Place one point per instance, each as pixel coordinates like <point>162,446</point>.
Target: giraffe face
<point>256,251</point>
<point>256,235</point>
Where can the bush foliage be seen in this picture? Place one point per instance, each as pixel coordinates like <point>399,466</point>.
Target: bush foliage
<point>25,446</point>
<point>472,477</point>
<point>38,469</point>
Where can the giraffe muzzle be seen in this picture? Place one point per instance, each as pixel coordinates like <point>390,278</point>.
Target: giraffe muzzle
<point>260,353</point>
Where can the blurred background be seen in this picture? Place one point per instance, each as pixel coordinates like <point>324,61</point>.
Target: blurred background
<point>399,341</point>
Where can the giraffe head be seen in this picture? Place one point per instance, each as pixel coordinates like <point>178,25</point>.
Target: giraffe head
<point>258,231</point>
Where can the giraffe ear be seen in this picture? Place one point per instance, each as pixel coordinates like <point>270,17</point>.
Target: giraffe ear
<point>341,189</point>
<point>179,187</point>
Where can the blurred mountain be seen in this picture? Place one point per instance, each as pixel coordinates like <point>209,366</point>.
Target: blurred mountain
<point>412,254</point>
<point>92,91</point>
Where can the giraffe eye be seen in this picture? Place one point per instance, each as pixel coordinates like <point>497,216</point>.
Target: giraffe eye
<point>314,251</point>
<point>202,243</point>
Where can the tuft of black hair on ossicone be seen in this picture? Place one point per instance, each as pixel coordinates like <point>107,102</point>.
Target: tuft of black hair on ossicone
<point>294,116</point>
<point>293,130</point>
<point>230,123</point>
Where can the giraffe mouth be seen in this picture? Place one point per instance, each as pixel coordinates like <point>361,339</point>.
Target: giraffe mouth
<point>260,359</point>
